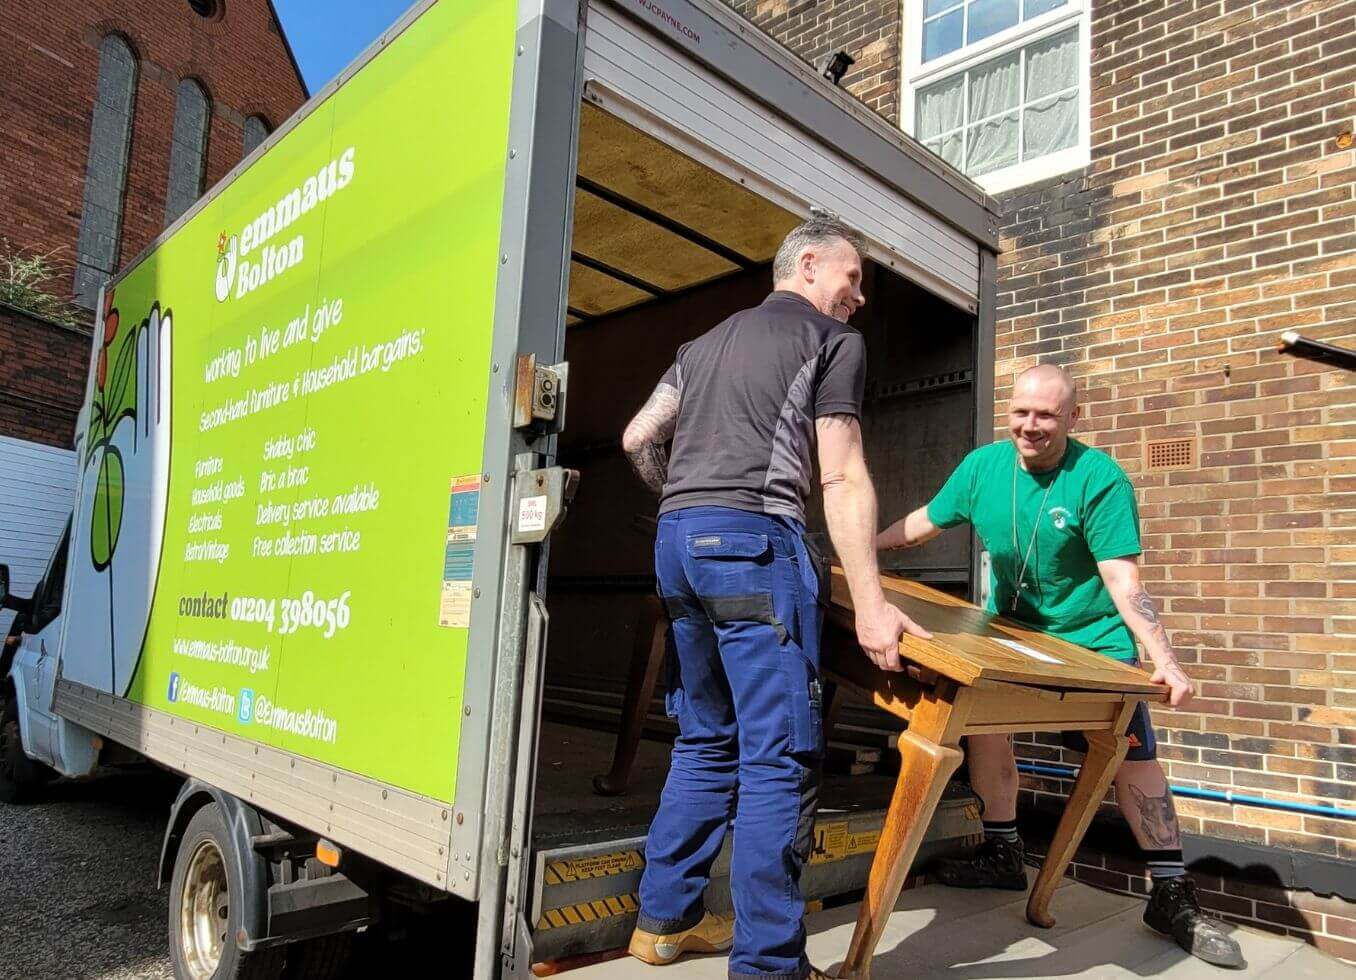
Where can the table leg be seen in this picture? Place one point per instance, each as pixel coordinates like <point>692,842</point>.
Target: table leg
<point>928,756</point>
<point>647,658</point>
<point>1106,750</point>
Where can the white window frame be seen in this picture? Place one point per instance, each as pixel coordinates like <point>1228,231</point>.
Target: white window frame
<point>919,75</point>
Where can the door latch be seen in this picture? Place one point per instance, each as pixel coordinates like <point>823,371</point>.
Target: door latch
<point>539,395</point>
<point>539,501</point>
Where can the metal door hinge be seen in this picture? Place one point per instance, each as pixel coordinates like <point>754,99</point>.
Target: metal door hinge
<point>539,395</point>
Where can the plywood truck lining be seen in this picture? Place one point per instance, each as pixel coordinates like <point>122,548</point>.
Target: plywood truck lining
<point>650,222</point>
<point>640,74</point>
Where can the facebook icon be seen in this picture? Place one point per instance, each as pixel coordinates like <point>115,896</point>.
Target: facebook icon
<point>246,712</point>
<point>173,687</point>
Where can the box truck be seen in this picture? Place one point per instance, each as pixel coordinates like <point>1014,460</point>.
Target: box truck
<point>324,457</point>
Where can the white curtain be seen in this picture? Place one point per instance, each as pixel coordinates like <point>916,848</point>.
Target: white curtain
<point>941,107</point>
<point>1051,66</point>
<point>1051,115</point>
<point>994,87</point>
<point>952,149</point>
<point>1051,125</point>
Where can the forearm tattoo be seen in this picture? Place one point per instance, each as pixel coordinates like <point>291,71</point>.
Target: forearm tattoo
<point>649,430</point>
<point>651,464</point>
<point>1157,818</point>
<point>1143,604</point>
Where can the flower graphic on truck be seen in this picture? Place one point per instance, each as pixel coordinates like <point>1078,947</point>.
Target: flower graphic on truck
<point>114,399</point>
<point>123,456</point>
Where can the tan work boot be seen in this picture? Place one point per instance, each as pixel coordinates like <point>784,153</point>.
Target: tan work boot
<point>714,934</point>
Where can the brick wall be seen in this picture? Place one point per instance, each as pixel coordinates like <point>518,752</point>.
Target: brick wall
<point>51,57</point>
<point>869,30</point>
<point>1218,211</point>
<point>42,378</point>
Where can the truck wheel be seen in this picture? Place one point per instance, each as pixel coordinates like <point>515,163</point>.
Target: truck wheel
<point>325,958</point>
<point>204,908</point>
<point>20,776</point>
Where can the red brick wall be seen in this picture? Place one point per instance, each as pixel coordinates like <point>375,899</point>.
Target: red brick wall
<point>42,378</point>
<point>869,30</point>
<point>51,57</point>
<point>1219,210</point>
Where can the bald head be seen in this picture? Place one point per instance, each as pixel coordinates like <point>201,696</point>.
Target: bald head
<point>1050,378</point>
<point>1043,411</point>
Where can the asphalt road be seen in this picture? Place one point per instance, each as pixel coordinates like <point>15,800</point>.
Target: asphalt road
<point>79,869</point>
<point>79,895</point>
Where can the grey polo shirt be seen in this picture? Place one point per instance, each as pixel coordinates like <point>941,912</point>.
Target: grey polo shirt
<point>749,392</point>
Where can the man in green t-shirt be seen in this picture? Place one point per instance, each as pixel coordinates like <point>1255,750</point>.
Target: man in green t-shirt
<point>1058,519</point>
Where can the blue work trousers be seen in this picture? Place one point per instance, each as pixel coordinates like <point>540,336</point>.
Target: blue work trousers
<point>743,682</point>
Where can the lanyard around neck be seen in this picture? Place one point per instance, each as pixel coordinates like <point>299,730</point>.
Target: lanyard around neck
<point>1016,546</point>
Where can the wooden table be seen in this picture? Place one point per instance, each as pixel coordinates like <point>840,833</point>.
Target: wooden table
<point>991,676</point>
<point>979,674</point>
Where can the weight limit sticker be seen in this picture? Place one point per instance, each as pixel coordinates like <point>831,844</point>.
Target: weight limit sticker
<point>454,610</point>
<point>532,514</point>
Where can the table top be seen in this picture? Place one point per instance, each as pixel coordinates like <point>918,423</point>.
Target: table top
<point>971,646</point>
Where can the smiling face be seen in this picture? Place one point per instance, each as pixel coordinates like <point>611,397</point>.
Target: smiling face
<point>832,279</point>
<point>1041,416</point>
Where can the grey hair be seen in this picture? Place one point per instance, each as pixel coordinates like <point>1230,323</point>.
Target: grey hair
<point>822,228</point>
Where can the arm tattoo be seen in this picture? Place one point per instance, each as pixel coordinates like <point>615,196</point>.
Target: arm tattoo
<point>651,464</point>
<point>1157,819</point>
<point>649,430</point>
<point>1143,603</point>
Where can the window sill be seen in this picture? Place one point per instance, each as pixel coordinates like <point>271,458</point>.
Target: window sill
<point>1031,171</point>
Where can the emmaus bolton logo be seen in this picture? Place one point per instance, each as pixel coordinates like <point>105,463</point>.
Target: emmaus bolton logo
<point>239,275</point>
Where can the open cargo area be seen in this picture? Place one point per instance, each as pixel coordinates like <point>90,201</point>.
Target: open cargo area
<point>664,248</point>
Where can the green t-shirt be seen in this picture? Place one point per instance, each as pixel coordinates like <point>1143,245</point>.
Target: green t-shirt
<point>1089,516</point>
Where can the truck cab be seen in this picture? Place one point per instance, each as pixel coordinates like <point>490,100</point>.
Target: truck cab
<point>36,743</point>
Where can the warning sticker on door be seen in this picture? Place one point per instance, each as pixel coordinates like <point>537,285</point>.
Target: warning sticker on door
<point>597,866</point>
<point>463,511</point>
<point>836,841</point>
<point>532,514</point>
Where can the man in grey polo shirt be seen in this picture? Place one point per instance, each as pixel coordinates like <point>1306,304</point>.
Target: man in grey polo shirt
<point>750,406</point>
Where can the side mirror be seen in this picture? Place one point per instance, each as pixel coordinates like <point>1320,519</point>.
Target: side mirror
<point>4,586</point>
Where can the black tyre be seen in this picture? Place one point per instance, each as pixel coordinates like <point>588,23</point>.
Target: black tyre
<point>21,779</point>
<point>206,898</point>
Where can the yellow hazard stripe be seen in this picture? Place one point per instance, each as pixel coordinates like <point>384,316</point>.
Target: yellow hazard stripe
<point>581,912</point>
<point>597,866</point>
